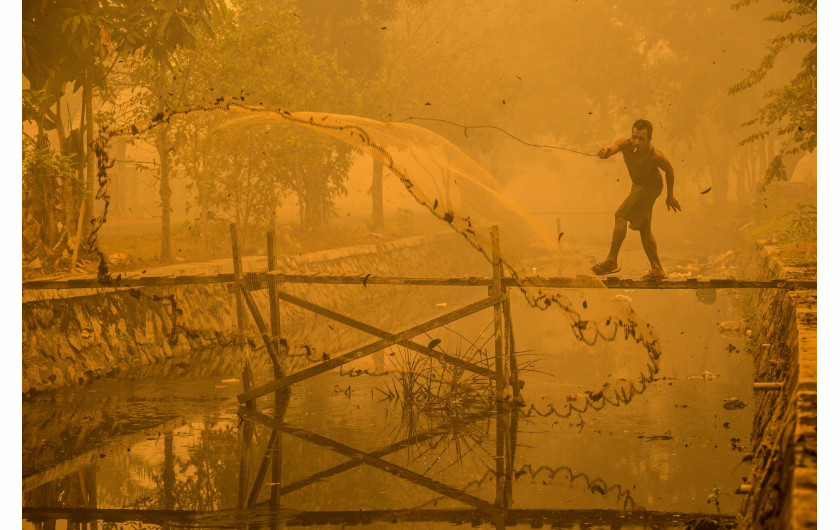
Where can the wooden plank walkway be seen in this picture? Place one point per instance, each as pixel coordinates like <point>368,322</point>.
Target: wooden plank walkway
<point>260,280</point>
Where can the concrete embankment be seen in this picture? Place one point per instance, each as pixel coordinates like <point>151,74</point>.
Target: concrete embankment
<point>70,337</point>
<point>782,483</point>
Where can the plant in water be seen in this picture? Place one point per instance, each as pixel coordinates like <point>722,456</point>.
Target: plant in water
<point>438,396</point>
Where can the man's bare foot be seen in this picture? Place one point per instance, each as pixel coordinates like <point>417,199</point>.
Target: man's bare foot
<point>606,267</point>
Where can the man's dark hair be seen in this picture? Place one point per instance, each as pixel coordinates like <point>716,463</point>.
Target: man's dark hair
<point>644,125</point>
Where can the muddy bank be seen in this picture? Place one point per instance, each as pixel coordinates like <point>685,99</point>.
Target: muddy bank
<point>782,481</point>
<point>70,337</point>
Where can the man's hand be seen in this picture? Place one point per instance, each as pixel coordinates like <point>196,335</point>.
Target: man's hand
<point>671,202</point>
<point>604,152</point>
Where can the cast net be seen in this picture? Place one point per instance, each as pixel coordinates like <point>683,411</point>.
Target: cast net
<point>448,201</point>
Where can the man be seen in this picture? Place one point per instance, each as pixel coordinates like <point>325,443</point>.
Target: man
<point>643,162</point>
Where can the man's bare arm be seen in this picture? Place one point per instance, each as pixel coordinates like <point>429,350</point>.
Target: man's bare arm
<point>606,152</point>
<point>665,164</point>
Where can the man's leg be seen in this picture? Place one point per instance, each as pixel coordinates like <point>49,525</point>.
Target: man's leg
<point>649,244</point>
<point>619,232</point>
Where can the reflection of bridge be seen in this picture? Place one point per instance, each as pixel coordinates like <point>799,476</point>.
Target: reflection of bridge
<point>261,516</point>
<point>271,513</point>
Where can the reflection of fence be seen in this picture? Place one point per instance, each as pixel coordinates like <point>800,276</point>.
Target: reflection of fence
<point>271,513</point>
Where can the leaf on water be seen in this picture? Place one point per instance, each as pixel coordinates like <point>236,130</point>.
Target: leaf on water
<point>584,304</point>
<point>434,343</point>
<point>560,235</point>
<point>707,190</point>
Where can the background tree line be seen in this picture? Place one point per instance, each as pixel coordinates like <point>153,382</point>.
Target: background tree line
<point>574,74</point>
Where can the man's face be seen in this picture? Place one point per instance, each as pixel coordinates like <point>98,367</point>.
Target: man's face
<point>640,139</point>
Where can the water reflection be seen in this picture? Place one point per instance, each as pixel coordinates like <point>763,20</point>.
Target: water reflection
<point>176,450</point>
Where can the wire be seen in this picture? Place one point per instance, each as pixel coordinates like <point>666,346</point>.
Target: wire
<point>465,127</point>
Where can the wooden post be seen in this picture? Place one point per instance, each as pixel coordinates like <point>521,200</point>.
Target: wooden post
<point>498,313</point>
<point>239,281</point>
<point>510,344</point>
<point>274,312</point>
<point>263,470</point>
<point>245,462</point>
<point>238,278</point>
<point>501,487</point>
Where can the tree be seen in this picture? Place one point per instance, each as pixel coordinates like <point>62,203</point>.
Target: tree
<point>791,111</point>
<point>159,29</point>
<point>356,33</point>
<point>242,170</point>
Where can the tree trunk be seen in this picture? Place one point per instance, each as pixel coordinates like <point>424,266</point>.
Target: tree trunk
<point>376,196</point>
<point>90,169</point>
<point>165,194</point>
<point>203,190</point>
<point>165,190</point>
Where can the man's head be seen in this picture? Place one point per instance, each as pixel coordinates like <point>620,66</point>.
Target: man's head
<point>642,134</point>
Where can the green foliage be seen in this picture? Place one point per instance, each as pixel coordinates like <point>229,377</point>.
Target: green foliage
<point>42,166</point>
<point>790,112</point>
<point>800,224</point>
<point>795,231</point>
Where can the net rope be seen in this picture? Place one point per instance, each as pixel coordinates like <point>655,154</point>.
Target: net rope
<point>462,195</point>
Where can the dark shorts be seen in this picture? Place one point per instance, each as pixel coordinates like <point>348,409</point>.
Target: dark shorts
<point>637,208</point>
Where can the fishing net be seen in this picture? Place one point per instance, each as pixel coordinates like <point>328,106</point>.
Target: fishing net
<point>451,203</point>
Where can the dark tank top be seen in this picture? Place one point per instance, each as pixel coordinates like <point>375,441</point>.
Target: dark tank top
<point>642,168</point>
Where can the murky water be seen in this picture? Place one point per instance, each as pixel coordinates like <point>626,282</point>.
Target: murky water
<point>174,449</point>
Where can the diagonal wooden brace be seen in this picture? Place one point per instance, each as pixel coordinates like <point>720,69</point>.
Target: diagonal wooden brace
<point>376,332</point>
<point>368,459</point>
<point>266,336</point>
<point>255,491</point>
<point>358,353</point>
<point>384,451</point>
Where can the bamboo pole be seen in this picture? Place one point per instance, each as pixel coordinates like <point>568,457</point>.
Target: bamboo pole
<point>245,463</point>
<point>614,518</point>
<point>274,312</point>
<point>768,386</point>
<point>263,470</point>
<point>358,353</point>
<point>259,280</point>
<point>498,314</point>
<point>350,322</point>
<point>383,451</point>
<point>501,428</point>
<point>238,277</point>
<point>258,320</point>
<point>511,351</point>
<point>378,463</point>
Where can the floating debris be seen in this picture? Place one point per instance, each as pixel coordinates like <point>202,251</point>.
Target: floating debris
<point>733,403</point>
